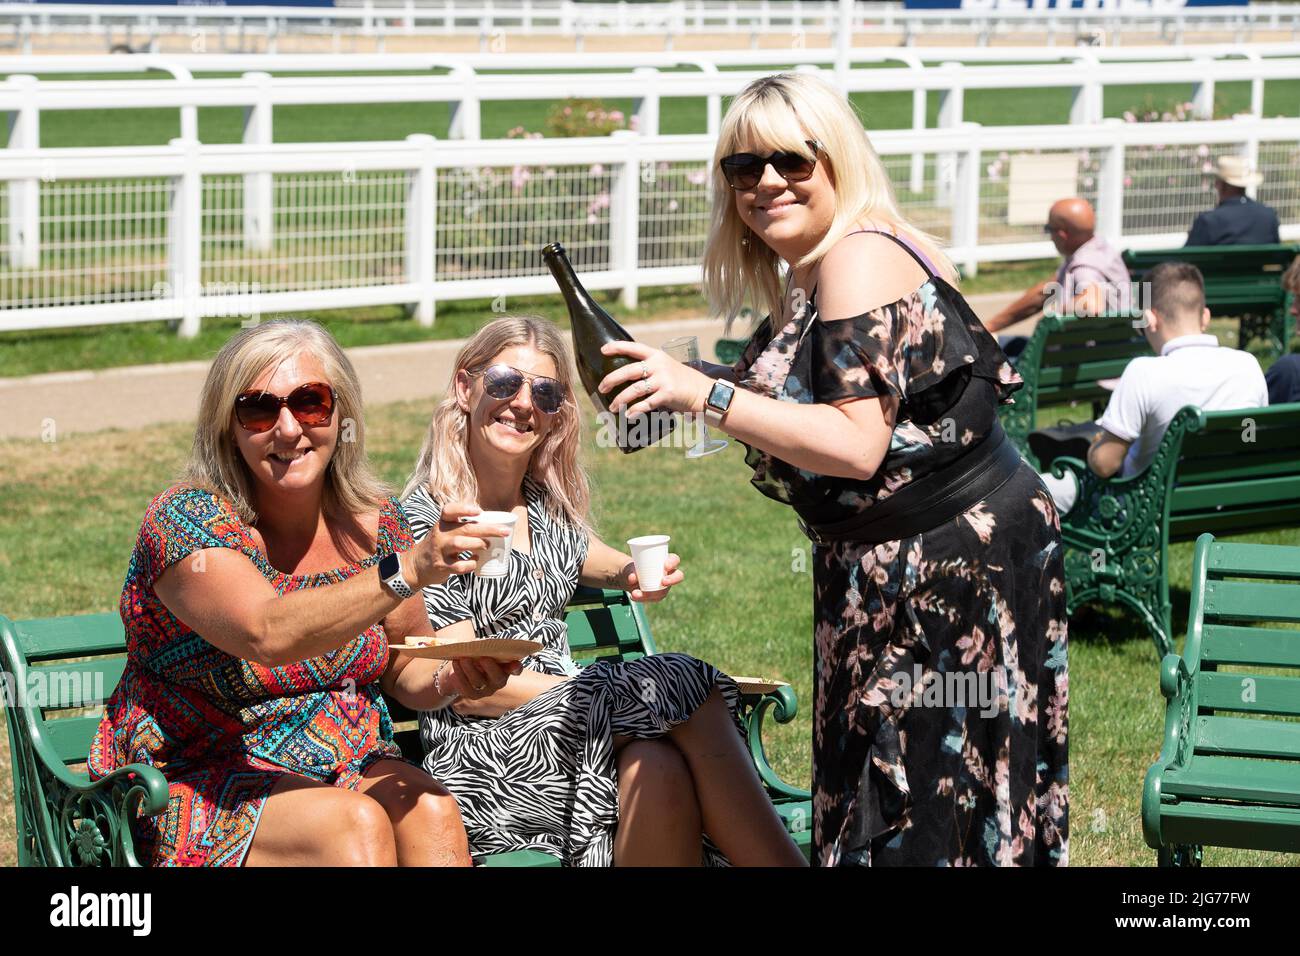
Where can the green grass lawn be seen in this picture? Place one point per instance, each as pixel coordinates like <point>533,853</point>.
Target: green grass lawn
<point>72,510</point>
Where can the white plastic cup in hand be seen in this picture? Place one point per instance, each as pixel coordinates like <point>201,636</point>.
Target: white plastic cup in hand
<point>649,552</point>
<point>498,556</point>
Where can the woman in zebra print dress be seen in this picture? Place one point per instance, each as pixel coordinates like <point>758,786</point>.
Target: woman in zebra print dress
<point>636,763</point>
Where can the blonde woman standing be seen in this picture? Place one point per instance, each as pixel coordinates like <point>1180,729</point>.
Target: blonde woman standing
<point>628,763</point>
<point>868,400</point>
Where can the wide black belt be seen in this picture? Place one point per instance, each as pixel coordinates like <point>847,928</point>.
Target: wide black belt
<point>929,501</point>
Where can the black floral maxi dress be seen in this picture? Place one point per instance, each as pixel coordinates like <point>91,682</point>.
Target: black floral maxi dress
<point>940,681</point>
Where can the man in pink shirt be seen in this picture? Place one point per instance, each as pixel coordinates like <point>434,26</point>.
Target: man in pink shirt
<point>1092,279</point>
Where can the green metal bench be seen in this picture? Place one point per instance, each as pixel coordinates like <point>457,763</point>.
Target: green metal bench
<point>64,819</point>
<point>1229,771</point>
<point>1240,281</point>
<point>1227,472</point>
<point>1064,361</point>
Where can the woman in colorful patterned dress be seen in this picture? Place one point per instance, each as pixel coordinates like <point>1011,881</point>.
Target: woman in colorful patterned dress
<point>258,628</point>
<point>940,690</point>
<point>629,763</point>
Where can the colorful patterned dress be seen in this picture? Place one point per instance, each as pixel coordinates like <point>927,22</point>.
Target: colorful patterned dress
<point>224,730</point>
<point>940,689</point>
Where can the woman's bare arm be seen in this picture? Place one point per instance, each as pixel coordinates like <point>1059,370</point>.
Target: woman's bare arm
<point>847,439</point>
<point>221,595</point>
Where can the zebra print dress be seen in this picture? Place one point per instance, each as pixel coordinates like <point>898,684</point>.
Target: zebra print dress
<point>543,776</point>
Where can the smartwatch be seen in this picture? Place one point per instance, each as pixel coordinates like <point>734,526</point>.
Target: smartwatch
<point>390,572</point>
<point>719,400</point>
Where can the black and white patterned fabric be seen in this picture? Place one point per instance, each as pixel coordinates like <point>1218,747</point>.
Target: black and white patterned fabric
<point>543,776</point>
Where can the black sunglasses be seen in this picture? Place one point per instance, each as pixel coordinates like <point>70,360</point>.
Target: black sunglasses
<point>311,404</point>
<point>502,381</point>
<point>745,170</point>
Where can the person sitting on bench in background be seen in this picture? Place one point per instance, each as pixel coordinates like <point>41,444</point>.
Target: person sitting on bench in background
<point>1092,278</point>
<point>1236,219</point>
<point>1189,368</point>
<point>1283,376</point>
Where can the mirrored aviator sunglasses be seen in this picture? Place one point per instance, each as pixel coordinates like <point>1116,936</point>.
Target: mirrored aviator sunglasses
<point>311,405</point>
<point>745,170</point>
<point>505,381</point>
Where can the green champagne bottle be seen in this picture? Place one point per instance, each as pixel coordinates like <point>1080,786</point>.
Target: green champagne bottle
<point>592,328</point>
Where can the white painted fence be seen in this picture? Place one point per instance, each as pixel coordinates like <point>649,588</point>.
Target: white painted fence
<point>25,97</point>
<point>143,27</point>
<point>184,231</point>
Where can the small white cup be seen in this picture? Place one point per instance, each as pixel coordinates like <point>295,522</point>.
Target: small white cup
<point>498,557</point>
<point>649,552</point>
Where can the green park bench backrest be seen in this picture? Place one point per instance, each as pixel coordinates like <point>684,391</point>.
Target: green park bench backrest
<point>1243,650</point>
<point>79,659</point>
<point>1239,471</point>
<point>65,667</point>
<point>1079,352</point>
<point>1236,277</point>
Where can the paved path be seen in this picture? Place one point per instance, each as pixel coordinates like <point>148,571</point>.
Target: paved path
<point>141,395</point>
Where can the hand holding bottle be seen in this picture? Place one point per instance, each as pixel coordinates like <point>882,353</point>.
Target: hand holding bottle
<point>654,381</point>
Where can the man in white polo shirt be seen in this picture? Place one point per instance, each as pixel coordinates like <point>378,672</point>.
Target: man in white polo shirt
<point>1189,368</point>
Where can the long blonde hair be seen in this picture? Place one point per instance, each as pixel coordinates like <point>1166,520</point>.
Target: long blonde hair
<point>443,468</point>
<point>215,462</point>
<point>781,112</point>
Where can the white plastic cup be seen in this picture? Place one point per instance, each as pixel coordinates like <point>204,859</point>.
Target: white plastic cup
<point>649,552</point>
<point>498,556</point>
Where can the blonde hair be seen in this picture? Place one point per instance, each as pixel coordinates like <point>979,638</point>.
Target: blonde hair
<point>443,468</point>
<point>782,112</point>
<point>215,462</point>
<point>1291,278</point>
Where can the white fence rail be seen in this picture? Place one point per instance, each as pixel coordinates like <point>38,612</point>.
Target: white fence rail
<point>25,98</point>
<point>186,231</point>
<point>143,26</point>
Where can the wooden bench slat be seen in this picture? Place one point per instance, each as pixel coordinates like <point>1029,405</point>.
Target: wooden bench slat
<point>602,627</point>
<point>71,737</point>
<point>55,638</point>
<point>1187,527</point>
<point>1242,736</point>
<point>1236,778</point>
<point>1251,693</point>
<point>1243,559</point>
<point>1064,376</point>
<point>1229,435</point>
<point>1247,825</point>
<point>1088,351</point>
<point>1251,601</point>
<point>1231,644</point>
<point>81,684</point>
<point>1218,468</point>
<point>1229,493</point>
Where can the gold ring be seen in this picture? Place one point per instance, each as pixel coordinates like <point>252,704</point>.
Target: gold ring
<point>645,371</point>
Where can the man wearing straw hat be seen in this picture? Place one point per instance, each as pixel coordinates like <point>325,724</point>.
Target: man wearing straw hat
<point>1237,220</point>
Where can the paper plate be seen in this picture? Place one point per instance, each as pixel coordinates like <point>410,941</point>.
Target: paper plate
<point>498,648</point>
<point>758,685</point>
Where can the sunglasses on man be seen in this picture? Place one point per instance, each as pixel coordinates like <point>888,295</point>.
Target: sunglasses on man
<point>745,170</point>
